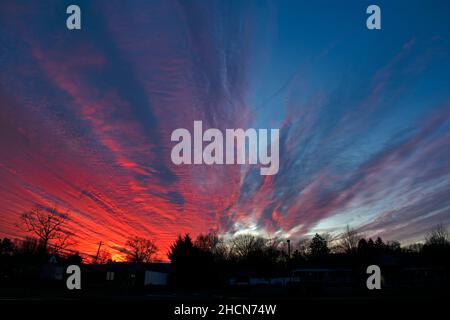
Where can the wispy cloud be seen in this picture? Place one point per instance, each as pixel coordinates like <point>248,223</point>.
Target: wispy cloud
<point>86,118</point>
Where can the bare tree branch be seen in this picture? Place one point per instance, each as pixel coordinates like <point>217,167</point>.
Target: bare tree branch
<point>48,227</point>
<point>141,249</point>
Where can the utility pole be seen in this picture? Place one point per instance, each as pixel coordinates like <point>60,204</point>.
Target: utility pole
<point>98,252</point>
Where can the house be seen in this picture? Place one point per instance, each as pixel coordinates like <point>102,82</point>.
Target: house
<point>52,270</point>
<point>124,274</point>
<point>156,274</point>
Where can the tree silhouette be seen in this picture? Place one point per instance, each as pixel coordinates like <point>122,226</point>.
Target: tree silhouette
<point>208,241</point>
<point>437,246</point>
<point>185,262</point>
<point>74,258</point>
<point>318,247</point>
<point>29,247</point>
<point>393,246</point>
<point>141,250</point>
<point>181,249</point>
<point>349,240</point>
<point>379,244</point>
<point>301,249</point>
<point>438,237</point>
<point>371,244</point>
<point>48,226</point>
<point>242,246</point>
<point>363,246</point>
<point>195,264</point>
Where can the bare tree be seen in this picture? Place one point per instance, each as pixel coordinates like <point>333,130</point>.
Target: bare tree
<point>207,242</point>
<point>245,244</point>
<point>439,236</point>
<point>141,249</point>
<point>414,247</point>
<point>49,226</point>
<point>302,247</point>
<point>211,242</point>
<point>349,240</point>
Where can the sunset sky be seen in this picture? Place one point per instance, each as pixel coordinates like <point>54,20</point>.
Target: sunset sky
<point>364,117</point>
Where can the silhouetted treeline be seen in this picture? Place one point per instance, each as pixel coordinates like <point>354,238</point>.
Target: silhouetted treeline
<point>208,260</point>
<point>21,261</point>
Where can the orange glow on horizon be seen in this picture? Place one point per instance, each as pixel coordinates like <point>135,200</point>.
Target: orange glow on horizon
<point>118,258</point>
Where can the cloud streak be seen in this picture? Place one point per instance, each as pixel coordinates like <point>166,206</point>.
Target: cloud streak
<point>86,118</point>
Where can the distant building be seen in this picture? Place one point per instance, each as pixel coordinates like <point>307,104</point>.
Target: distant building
<point>124,274</point>
<point>321,277</point>
<point>156,278</point>
<point>52,270</point>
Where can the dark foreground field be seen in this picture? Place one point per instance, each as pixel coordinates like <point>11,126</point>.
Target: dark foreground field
<point>225,304</point>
